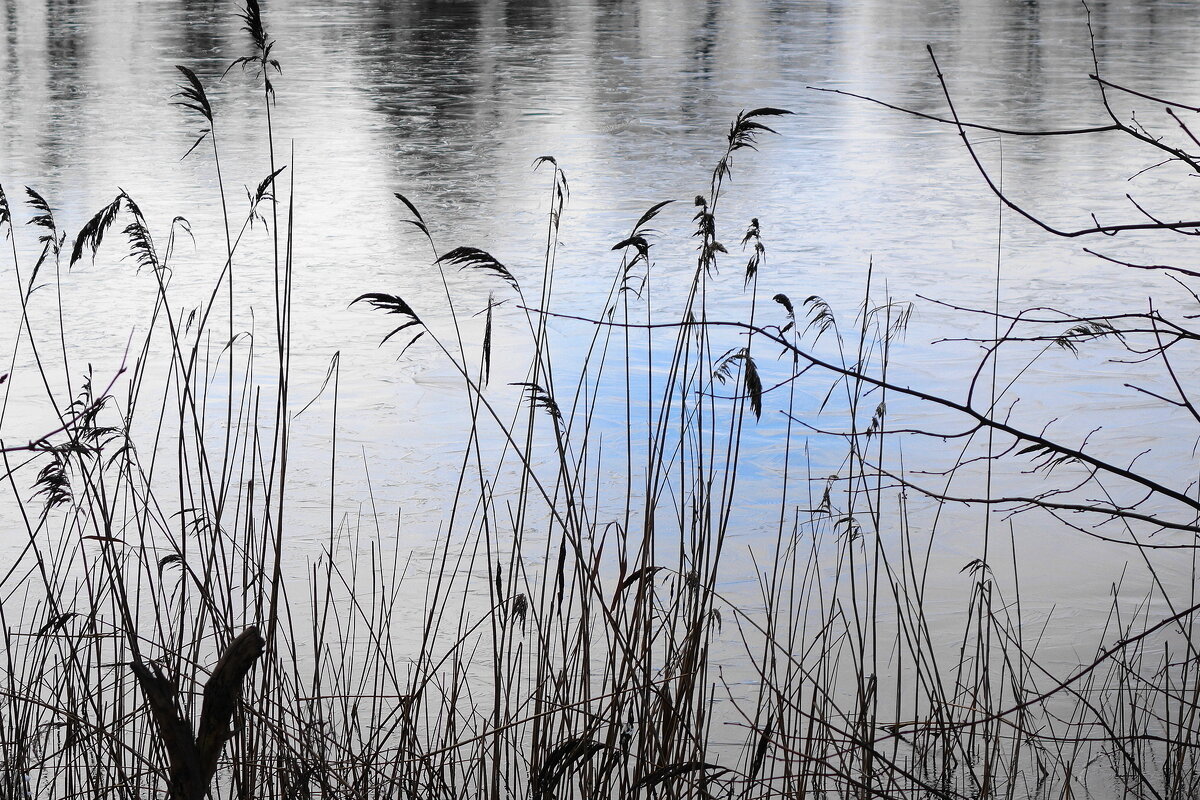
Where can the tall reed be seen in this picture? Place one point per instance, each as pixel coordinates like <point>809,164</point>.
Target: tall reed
<point>577,636</point>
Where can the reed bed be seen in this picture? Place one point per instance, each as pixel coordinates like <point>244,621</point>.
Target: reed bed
<point>579,636</point>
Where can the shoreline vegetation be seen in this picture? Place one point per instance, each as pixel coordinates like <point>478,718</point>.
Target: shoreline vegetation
<point>575,639</point>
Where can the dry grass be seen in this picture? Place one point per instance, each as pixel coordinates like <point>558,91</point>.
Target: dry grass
<point>574,640</point>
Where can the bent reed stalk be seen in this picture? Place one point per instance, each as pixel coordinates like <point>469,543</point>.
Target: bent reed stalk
<point>578,636</point>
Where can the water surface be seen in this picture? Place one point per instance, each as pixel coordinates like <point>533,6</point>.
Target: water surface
<point>451,103</point>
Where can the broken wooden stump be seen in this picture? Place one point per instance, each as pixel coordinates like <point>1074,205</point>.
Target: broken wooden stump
<point>193,756</point>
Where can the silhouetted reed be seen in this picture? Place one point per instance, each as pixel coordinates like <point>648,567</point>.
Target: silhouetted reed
<point>575,639</point>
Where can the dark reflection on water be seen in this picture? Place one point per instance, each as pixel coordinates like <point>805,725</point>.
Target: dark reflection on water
<point>451,101</point>
<point>199,33</point>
